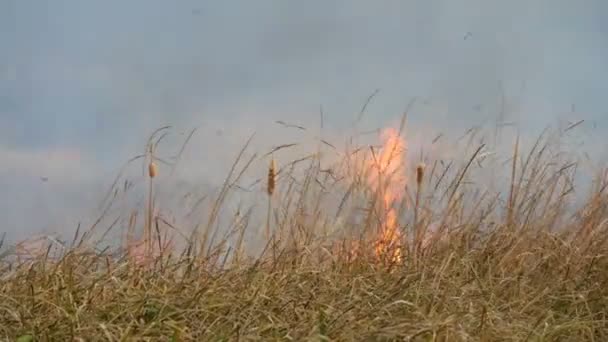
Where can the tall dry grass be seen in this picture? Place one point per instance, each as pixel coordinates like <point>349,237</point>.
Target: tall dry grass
<point>476,264</point>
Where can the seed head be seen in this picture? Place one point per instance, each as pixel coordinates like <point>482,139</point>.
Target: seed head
<point>272,174</point>
<point>152,169</point>
<point>420,173</point>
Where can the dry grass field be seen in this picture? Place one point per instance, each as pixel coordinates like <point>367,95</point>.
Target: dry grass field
<point>371,245</point>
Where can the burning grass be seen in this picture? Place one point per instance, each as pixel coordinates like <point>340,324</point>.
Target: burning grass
<point>352,250</point>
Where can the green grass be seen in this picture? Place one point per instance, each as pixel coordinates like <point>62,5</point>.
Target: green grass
<point>499,267</point>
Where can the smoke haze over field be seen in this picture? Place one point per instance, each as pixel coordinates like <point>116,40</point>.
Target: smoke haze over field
<point>83,84</point>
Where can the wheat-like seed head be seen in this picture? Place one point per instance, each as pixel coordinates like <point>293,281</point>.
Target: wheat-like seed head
<point>420,173</point>
<point>272,174</point>
<point>152,169</point>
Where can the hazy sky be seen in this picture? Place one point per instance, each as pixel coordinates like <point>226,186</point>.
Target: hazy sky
<point>83,83</point>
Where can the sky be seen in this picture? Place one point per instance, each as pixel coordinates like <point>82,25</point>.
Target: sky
<point>82,84</point>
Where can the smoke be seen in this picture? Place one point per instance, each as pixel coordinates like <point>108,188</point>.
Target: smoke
<point>98,78</point>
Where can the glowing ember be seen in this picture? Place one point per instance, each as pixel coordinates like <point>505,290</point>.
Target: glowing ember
<point>387,178</point>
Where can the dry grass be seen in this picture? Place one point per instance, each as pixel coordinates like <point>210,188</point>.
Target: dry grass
<point>476,265</point>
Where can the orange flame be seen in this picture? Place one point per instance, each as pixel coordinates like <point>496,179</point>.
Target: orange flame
<point>387,178</point>
<point>143,254</point>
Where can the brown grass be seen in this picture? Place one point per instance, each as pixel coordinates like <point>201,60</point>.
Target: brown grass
<point>486,266</point>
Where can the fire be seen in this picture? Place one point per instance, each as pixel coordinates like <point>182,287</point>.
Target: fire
<point>143,254</point>
<point>387,179</point>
